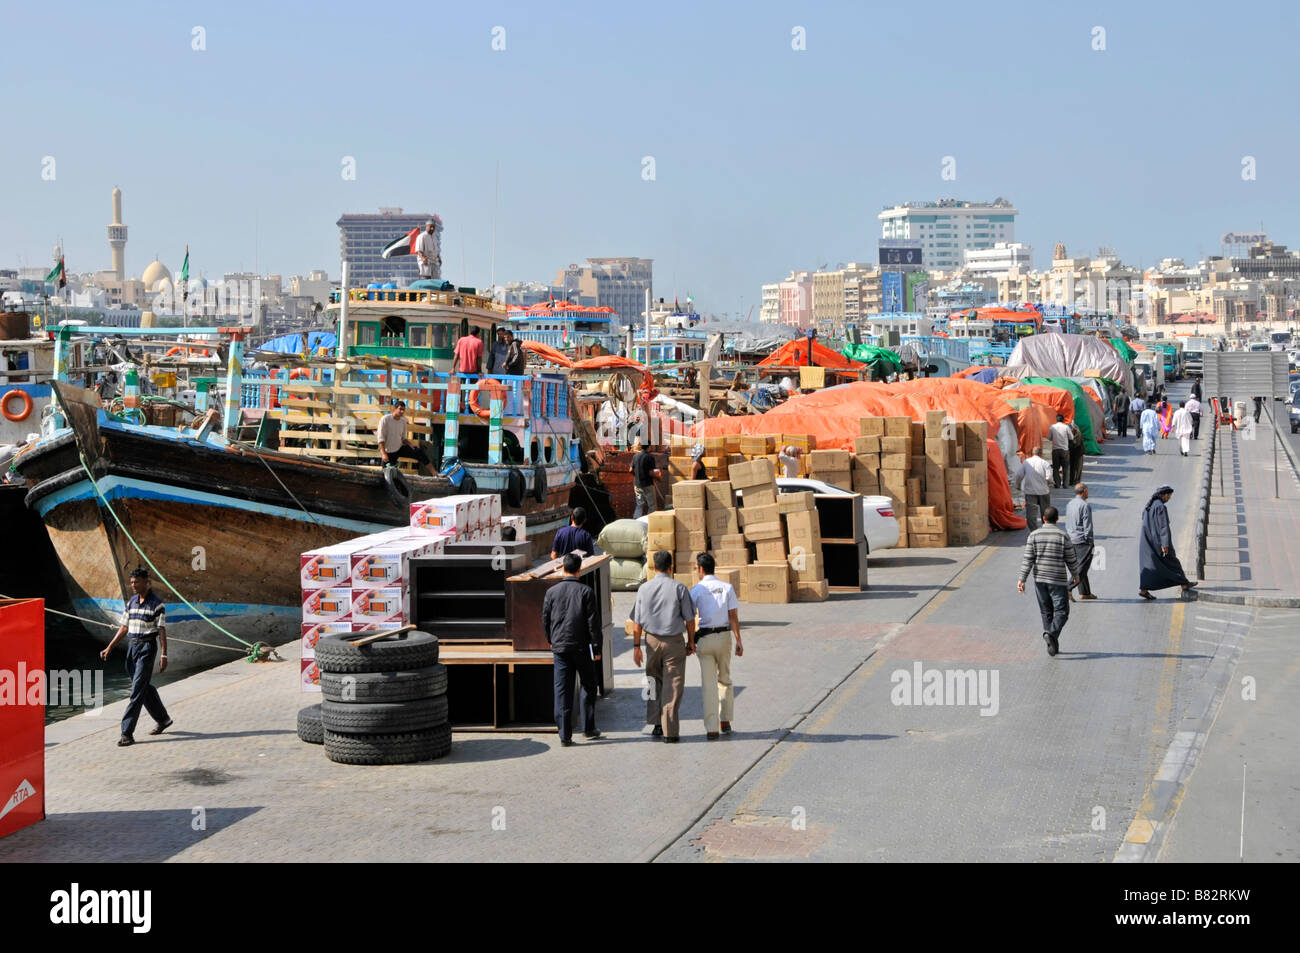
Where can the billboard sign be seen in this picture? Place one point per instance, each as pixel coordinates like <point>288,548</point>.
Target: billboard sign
<point>1243,374</point>
<point>900,251</point>
<point>892,291</point>
<point>918,287</point>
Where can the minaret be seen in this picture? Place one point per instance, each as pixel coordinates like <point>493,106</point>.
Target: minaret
<point>117,237</point>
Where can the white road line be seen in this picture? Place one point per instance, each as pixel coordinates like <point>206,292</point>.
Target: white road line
<point>1206,642</point>
<point>1203,629</point>
<point>1206,618</point>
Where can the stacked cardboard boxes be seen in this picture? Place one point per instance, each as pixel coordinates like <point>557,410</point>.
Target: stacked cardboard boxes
<point>831,466</point>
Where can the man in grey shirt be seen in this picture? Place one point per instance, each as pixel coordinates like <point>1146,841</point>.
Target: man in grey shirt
<point>662,611</point>
<point>392,439</point>
<point>1078,526</point>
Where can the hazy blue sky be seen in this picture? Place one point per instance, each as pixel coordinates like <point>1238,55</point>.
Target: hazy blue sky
<point>766,158</point>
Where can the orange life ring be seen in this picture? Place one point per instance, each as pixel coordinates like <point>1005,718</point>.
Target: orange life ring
<point>174,350</point>
<point>24,398</point>
<point>299,372</point>
<point>498,389</point>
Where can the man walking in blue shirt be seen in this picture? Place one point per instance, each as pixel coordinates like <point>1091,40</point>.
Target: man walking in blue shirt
<point>143,625</point>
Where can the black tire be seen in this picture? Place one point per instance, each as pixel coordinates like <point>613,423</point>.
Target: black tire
<point>310,727</point>
<point>516,488</point>
<point>395,485</point>
<point>468,485</point>
<point>539,483</point>
<point>398,653</point>
<point>366,688</point>
<point>404,748</point>
<point>384,718</point>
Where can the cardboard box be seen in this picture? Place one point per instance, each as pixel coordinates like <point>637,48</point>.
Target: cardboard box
<point>765,582</point>
<point>803,501</point>
<point>731,577</point>
<point>867,461</point>
<point>898,427</point>
<point>960,507</point>
<point>968,474</point>
<point>892,444</point>
<point>811,591</point>
<point>327,605</point>
<point>943,453</point>
<point>896,461</point>
<point>731,558</point>
<point>690,519</point>
<point>719,495</point>
<point>934,421</point>
<point>679,468</point>
<point>828,460</point>
<point>751,445</point>
<point>917,468</point>
<point>459,513</point>
<point>764,495</point>
<point>934,476</point>
<point>893,483</point>
<point>840,478</point>
<point>308,675</point>
<point>662,521</point>
<point>311,635</point>
<point>866,483</point>
<point>902,529</point>
<point>769,551</point>
<point>684,561</point>
<point>722,522</point>
<point>961,452</point>
<point>767,513</point>
<point>689,494</point>
<point>871,426</point>
<point>520,523</point>
<point>803,530</point>
<point>661,540</point>
<point>713,445</point>
<point>918,433</point>
<point>927,540</point>
<point>866,444</point>
<point>388,565</point>
<point>378,605</point>
<point>975,435</point>
<point>757,532</point>
<point>687,579</point>
<point>936,502</point>
<point>800,441</point>
<point>926,524</point>
<point>925,510</point>
<point>752,473</point>
<point>696,541</point>
<point>806,566</point>
<point>730,541</point>
<point>913,492</point>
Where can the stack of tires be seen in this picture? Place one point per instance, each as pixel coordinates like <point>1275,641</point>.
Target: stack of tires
<point>385,703</point>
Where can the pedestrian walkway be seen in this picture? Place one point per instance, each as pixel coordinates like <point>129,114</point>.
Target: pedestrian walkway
<point>1251,557</point>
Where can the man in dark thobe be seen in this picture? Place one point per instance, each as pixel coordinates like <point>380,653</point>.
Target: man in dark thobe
<point>1160,566</point>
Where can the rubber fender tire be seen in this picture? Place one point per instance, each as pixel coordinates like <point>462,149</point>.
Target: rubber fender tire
<point>404,748</point>
<point>516,487</point>
<point>369,687</point>
<point>468,485</point>
<point>398,653</point>
<point>310,727</point>
<point>395,485</point>
<point>384,718</point>
<point>539,483</point>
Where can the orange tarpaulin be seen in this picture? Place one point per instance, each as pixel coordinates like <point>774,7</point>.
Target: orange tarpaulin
<point>969,371</point>
<point>546,353</point>
<point>607,360</point>
<point>795,354</point>
<point>832,416</point>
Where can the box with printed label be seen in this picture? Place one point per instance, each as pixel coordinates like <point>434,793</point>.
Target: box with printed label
<point>759,496</point>
<point>871,426</point>
<point>927,540</point>
<point>520,523</point>
<point>662,521</point>
<point>866,482</point>
<point>308,675</point>
<point>692,520</point>
<point>811,590</point>
<point>806,566</point>
<point>804,530</point>
<point>769,551</point>
<point>757,445</point>
<point>311,634</point>
<point>866,444</point>
<point>722,522</point>
<point>729,541</point>
<point>731,558</point>
<point>756,532</point>
<point>868,462</point>
<point>796,502</point>
<point>767,513</point>
<point>719,495</point>
<point>895,461</point>
<point>378,605</point>
<point>328,566</point>
<point>819,460</point>
<point>765,582</point>
<point>387,565</point>
<point>968,474</point>
<point>926,524</point>
<point>459,513</point>
<point>661,540</point>
<point>692,540</point>
<point>901,445</point>
<point>941,452</point>
<point>752,473</point>
<point>327,605</point>
<point>800,441</point>
<point>898,426</point>
<point>840,478</point>
<point>731,576</point>
<point>893,483</point>
<point>689,494</point>
<point>913,491</point>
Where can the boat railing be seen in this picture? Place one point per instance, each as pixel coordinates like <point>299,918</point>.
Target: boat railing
<point>449,298</point>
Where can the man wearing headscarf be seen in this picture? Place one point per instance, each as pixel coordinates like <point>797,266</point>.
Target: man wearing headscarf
<point>1149,425</point>
<point>789,460</point>
<point>698,471</point>
<point>1160,566</point>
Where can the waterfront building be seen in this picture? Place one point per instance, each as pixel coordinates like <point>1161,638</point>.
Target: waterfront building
<point>618,283</point>
<point>947,228</point>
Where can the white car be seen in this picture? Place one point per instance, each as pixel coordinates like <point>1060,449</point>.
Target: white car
<point>877,511</point>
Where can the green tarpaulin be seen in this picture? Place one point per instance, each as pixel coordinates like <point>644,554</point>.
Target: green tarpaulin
<point>1125,351</point>
<point>881,360</point>
<point>1082,415</point>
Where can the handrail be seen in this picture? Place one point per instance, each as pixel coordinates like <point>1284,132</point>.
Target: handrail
<point>422,296</point>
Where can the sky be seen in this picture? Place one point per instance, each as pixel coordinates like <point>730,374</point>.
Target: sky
<point>228,127</point>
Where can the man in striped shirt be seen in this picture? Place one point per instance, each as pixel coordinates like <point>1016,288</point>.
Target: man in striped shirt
<point>143,625</point>
<point>1052,560</point>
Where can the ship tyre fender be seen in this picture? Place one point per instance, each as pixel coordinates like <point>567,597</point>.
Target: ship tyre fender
<point>468,485</point>
<point>516,487</point>
<point>310,728</point>
<point>539,483</point>
<point>403,748</point>
<point>395,485</point>
<point>366,688</point>
<point>382,718</point>
<point>24,405</point>
<point>399,653</point>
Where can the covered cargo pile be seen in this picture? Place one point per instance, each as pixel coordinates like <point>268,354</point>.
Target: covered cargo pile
<point>1069,355</point>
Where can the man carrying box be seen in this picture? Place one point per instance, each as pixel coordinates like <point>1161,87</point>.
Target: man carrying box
<point>719,611</point>
<point>662,611</point>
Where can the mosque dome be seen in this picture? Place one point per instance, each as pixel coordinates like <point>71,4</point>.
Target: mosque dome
<point>155,273</point>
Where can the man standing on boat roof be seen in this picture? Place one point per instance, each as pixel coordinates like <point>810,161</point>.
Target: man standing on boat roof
<point>426,249</point>
<point>393,444</point>
<point>143,625</point>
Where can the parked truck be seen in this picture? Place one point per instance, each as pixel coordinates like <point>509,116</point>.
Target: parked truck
<point>1194,355</point>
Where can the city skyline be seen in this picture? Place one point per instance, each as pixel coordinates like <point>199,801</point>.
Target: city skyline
<point>1121,147</point>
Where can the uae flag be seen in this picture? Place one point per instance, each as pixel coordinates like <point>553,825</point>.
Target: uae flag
<point>58,273</point>
<point>403,245</point>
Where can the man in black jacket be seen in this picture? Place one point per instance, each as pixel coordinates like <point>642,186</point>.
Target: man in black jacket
<point>569,621</point>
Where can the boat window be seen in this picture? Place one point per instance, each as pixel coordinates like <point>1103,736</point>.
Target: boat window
<point>419,335</point>
<point>366,334</point>
<point>394,331</point>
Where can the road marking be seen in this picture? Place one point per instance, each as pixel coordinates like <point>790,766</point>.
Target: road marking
<point>762,790</point>
<point>1206,642</point>
<point>1206,618</point>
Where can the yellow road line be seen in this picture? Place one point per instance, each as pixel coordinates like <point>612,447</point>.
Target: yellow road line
<point>763,789</point>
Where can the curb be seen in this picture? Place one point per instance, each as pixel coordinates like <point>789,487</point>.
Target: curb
<point>1255,602</point>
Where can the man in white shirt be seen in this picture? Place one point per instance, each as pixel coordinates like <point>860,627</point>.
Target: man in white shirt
<point>789,460</point>
<point>1060,434</point>
<point>426,249</point>
<point>719,610</point>
<point>1036,484</point>
<point>1195,409</point>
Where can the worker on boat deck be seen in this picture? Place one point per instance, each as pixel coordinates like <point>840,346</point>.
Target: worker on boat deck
<point>516,359</point>
<point>393,444</point>
<point>426,249</point>
<point>497,359</point>
<point>143,625</point>
<point>469,354</point>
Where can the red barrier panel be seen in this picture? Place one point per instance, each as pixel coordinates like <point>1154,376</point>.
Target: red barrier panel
<point>22,713</point>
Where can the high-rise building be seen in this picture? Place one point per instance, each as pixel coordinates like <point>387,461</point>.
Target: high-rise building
<point>796,295</point>
<point>769,312</point>
<point>618,283</point>
<point>363,238</point>
<point>998,260</point>
<point>948,227</point>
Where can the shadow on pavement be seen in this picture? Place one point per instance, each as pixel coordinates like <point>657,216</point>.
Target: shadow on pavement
<point>1072,656</point>
<point>916,561</point>
<point>488,747</point>
<point>117,836</point>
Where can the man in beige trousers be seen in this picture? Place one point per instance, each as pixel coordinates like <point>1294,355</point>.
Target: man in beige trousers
<point>663,611</point>
<point>719,612</point>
